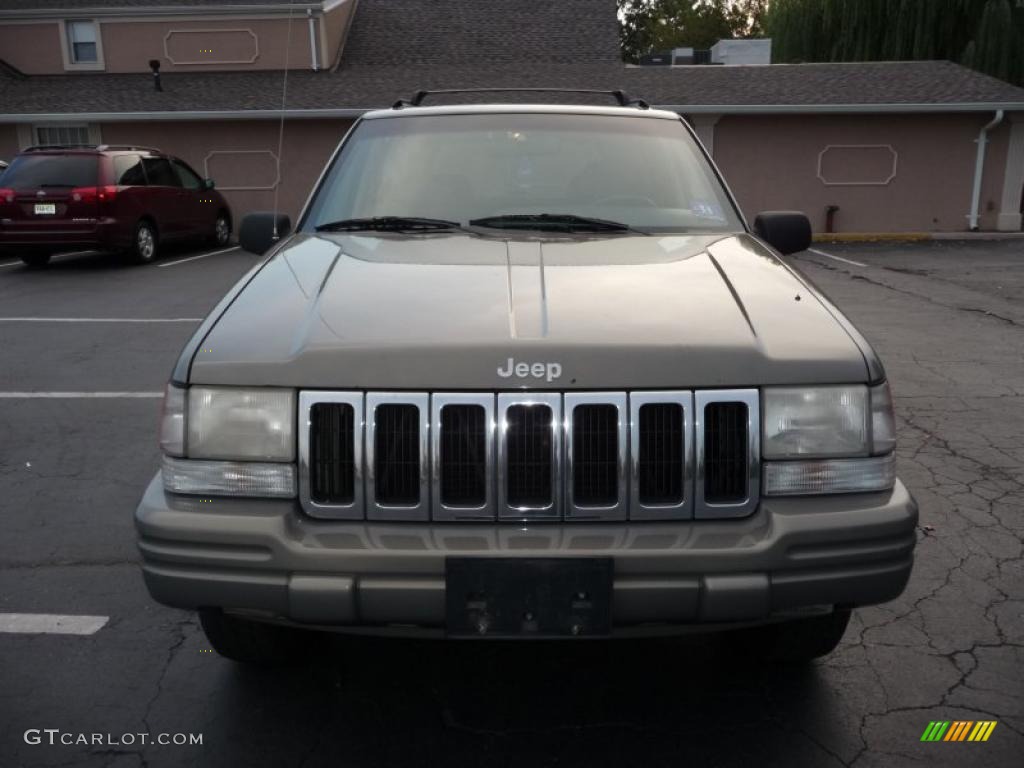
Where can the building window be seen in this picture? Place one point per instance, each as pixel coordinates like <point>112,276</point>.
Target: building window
<point>82,47</point>
<point>62,134</point>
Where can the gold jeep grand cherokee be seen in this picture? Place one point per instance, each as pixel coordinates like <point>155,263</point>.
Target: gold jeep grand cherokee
<point>524,371</point>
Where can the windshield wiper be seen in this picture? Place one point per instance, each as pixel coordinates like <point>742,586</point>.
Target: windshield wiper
<point>558,222</point>
<point>388,224</point>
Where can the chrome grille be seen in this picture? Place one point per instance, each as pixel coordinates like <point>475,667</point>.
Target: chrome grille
<point>529,456</point>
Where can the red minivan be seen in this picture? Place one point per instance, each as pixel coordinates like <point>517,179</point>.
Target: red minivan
<point>112,198</point>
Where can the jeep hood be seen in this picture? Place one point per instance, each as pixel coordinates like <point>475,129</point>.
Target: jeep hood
<point>448,311</point>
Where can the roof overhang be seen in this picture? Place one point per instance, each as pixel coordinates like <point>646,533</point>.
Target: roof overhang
<point>802,109</point>
<point>134,11</point>
<point>353,112</point>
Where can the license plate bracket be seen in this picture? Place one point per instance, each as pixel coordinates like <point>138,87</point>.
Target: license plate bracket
<point>528,597</point>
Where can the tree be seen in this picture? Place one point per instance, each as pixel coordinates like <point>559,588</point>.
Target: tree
<point>987,35</point>
<point>660,25</point>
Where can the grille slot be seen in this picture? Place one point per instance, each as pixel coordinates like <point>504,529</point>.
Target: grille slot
<point>463,456</point>
<point>397,455</point>
<point>726,467</point>
<point>661,461</point>
<point>595,455</point>
<point>529,455</point>
<point>332,466</point>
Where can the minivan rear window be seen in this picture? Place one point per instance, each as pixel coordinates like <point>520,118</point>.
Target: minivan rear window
<point>30,171</point>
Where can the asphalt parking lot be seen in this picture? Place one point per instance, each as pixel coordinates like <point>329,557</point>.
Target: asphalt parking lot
<point>948,320</point>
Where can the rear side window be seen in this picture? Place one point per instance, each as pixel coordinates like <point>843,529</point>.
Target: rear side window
<point>28,171</point>
<point>128,171</point>
<point>188,178</point>
<point>160,173</point>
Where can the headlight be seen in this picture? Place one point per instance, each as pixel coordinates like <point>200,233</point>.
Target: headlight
<point>816,422</point>
<point>241,424</point>
<point>227,441</point>
<point>836,439</point>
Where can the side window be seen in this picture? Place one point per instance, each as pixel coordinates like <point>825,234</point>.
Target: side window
<point>188,178</point>
<point>82,42</point>
<point>128,171</point>
<point>159,172</point>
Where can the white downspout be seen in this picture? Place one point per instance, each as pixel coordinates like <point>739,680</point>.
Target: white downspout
<point>312,40</point>
<point>979,165</point>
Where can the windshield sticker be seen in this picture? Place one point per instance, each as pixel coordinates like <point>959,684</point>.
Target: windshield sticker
<point>707,209</point>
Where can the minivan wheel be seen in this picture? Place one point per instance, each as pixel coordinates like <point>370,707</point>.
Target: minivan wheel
<point>256,642</point>
<point>144,243</point>
<point>36,260</point>
<point>222,230</point>
<point>796,641</point>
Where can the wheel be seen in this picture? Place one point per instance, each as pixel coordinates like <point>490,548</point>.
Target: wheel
<point>794,642</point>
<point>254,642</point>
<point>143,248</point>
<point>36,260</point>
<point>221,230</point>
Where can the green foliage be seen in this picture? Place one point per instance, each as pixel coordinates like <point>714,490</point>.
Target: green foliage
<point>659,25</point>
<point>987,35</point>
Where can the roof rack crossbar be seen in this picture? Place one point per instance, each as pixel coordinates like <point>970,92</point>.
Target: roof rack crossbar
<point>623,99</point>
<point>98,147</point>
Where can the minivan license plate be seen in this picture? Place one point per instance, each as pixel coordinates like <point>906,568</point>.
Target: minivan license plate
<point>46,209</point>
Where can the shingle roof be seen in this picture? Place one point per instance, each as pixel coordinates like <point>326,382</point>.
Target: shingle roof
<point>41,5</point>
<point>398,46</point>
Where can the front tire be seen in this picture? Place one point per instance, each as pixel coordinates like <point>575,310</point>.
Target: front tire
<point>255,642</point>
<point>797,641</point>
<point>144,243</point>
<point>36,260</point>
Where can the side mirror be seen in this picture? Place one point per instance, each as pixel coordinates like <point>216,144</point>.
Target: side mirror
<point>256,235</point>
<point>786,231</point>
<point>208,184</point>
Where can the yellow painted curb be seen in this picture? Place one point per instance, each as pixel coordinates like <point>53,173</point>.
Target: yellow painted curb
<point>871,237</point>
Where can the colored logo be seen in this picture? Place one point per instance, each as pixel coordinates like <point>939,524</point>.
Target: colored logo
<point>958,730</point>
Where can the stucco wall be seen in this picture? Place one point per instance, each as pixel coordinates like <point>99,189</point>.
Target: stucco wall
<point>240,153</point>
<point>127,46</point>
<point>8,142</point>
<point>32,48</point>
<point>771,163</point>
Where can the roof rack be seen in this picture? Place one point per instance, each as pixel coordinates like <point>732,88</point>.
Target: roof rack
<point>98,147</point>
<point>623,99</point>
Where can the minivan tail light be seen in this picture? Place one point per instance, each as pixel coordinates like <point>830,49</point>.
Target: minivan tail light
<point>6,195</point>
<point>93,194</point>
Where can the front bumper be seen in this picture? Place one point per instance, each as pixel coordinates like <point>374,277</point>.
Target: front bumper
<point>267,559</point>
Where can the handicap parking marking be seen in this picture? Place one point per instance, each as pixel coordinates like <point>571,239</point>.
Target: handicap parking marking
<point>77,395</point>
<point>198,256</point>
<point>50,624</point>
<point>836,258</point>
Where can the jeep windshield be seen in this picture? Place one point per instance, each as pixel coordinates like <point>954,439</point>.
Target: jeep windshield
<point>526,171</point>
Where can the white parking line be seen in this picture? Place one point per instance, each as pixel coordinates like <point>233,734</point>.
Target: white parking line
<point>75,395</point>
<point>55,258</point>
<point>101,319</point>
<point>836,258</point>
<point>200,256</point>
<point>50,624</point>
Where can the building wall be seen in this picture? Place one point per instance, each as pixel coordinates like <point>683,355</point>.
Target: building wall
<point>335,23</point>
<point>32,48</point>
<point>9,144</point>
<point>180,44</point>
<point>240,155</point>
<point>772,163</point>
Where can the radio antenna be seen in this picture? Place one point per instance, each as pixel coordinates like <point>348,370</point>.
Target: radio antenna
<point>284,102</point>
